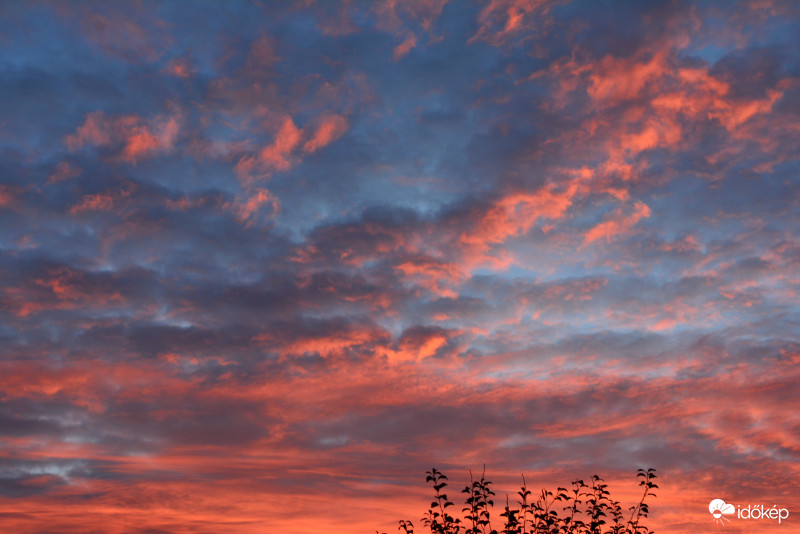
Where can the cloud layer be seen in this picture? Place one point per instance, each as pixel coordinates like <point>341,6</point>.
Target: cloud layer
<point>261,266</point>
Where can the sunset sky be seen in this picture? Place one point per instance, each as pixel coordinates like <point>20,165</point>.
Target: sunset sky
<point>263,264</point>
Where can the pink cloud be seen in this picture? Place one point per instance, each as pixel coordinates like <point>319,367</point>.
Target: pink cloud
<point>511,216</point>
<point>248,208</point>
<point>436,276</point>
<point>106,201</point>
<point>130,136</point>
<point>95,130</point>
<point>618,79</point>
<point>326,345</point>
<point>7,196</point>
<point>618,224</point>
<point>59,289</point>
<point>503,18</point>
<point>417,348</point>
<point>330,128</point>
<point>143,141</point>
<point>64,171</point>
<point>275,156</point>
<point>99,201</point>
<point>181,68</point>
<point>405,47</point>
<point>282,153</point>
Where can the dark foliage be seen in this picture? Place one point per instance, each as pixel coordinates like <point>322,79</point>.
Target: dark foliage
<point>582,509</point>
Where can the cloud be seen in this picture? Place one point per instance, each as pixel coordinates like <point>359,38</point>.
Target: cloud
<point>181,68</point>
<point>95,130</point>
<point>99,201</point>
<point>64,171</point>
<point>247,209</point>
<point>287,138</point>
<point>275,156</point>
<point>7,196</point>
<point>130,137</point>
<point>618,224</point>
<point>614,80</point>
<point>501,19</point>
<point>513,215</point>
<point>330,129</point>
<point>282,154</point>
<point>308,258</point>
<point>405,47</point>
<point>436,275</point>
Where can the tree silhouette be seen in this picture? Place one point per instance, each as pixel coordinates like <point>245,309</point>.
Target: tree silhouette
<point>583,509</point>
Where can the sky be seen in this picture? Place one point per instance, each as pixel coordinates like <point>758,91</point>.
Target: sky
<point>263,264</point>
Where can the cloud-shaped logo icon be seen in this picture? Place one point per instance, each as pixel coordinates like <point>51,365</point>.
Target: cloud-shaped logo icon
<point>719,509</point>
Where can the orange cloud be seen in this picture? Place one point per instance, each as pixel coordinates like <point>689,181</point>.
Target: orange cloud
<point>502,18</point>
<point>98,202</point>
<point>180,68</point>
<point>614,79</point>
<point>59,289</point>
<point>732,115</point>
<point>703,96</point>
<point>281,154</point>
<point>405,47</point>
<point>65,284</point>
<point>142,141</point>
<point>275,156</point>
<point>660,98</point>
<point>625,144</point>
<point>326,345</point>
<point>95,130</point>
<point>247,209</point>
<point>135,136</point>
<point>6,196</point>
<point>418,349</point>
<point>514,215</point>
<point>416,344</point>
<point>618,224</point>
<point>686,245</point>
<point>434,275</point>
<point>64,171</point>
<point>288,137</point>
<point>331,128</point>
